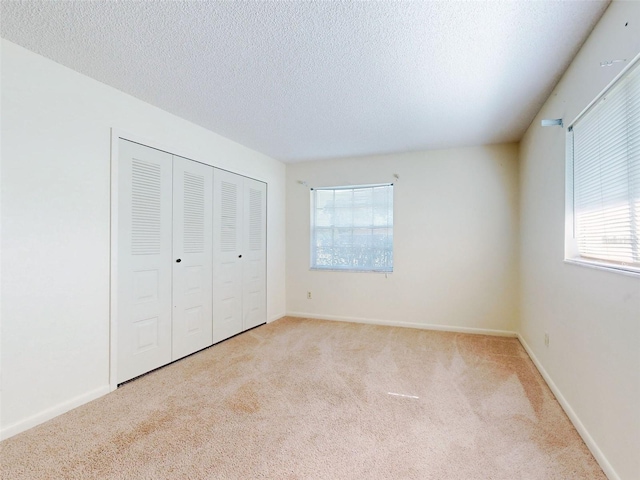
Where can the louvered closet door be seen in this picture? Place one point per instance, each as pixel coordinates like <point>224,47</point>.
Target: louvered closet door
<point>144,259</point>
<point>227,257</point>
<point>193,256</point>
<point>254,254</point>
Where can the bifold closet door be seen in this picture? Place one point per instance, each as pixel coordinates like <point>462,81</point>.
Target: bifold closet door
<point>254,293</point>
<point>227,255</point>
<point>193,256</point>
<point>144,259</point>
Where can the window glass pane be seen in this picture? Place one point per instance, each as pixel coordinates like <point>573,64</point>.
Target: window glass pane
<point>343,217</point>
<point>362,197</point>
<point>323,237</point>
<point>381,217</point>
<point>343,257</point>
<point>352,228</point>
<point>342,237</point>
<point>324,199</point>
<point>324,256</point>
<point>363,216</point>
<point>344,198</point>
<point>380,238</point>
<point>324,217</point>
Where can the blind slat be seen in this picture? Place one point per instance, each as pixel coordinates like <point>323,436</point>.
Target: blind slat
<point>605,161</point>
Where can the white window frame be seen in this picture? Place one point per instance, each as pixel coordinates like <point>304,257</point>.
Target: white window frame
<point>351,268</point>
<point>571,252</point>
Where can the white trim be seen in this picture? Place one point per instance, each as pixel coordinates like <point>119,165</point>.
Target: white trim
<point>582,430</point>
<point>391,323</point>
<point>349,270</point>
<point>113,259</point>
<point>170,149</point>
<point>609,267</point>
<point>52,412</point>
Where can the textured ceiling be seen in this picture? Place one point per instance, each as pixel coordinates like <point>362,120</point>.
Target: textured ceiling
<point>321,79</point>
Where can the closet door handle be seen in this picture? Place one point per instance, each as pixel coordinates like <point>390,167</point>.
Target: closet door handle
<point>239,256</point>
<point>178,260</point>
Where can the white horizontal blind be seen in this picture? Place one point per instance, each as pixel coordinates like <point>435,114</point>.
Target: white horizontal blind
<point>352,228</point>
<point>606,175</point>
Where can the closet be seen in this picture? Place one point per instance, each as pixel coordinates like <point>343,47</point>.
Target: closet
<point>191,257</point>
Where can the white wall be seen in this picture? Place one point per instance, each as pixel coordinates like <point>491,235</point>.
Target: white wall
<point>592,316</point>
<point>55,227</point>
<point>455,241</point>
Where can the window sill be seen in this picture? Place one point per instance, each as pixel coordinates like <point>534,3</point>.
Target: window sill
<point>346,270</point>
<point>609,267</point>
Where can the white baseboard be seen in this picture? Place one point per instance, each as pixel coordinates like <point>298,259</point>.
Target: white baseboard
<point>52,412</point>
<point>390,323</point>
<point>582,430</point>
<point>64,407</point>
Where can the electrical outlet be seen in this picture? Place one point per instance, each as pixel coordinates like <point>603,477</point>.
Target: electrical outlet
<point>308,295</point>
<point>546,339</point>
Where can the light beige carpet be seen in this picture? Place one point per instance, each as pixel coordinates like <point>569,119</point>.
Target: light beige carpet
<point>309,399</point>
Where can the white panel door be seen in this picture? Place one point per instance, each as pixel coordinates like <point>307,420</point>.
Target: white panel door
<point>254,295</point>
<point>227,255</point>
<point>192,256</point>
<point>144,259</point>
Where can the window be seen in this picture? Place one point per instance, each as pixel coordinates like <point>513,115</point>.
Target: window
<point>603,195</point>
<point>352,228</point>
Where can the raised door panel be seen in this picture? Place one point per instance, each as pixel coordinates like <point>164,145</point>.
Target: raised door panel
<point>254,254</point>
<point>144,259</point>
<point>192,256</point>
<point>227,254</point>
